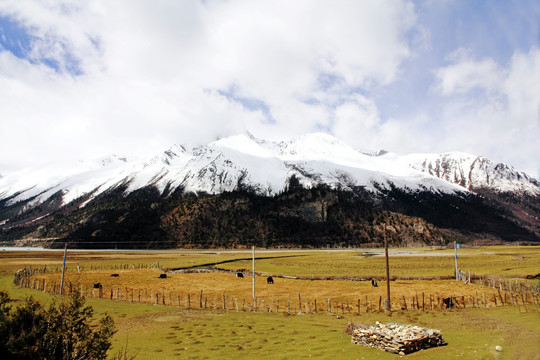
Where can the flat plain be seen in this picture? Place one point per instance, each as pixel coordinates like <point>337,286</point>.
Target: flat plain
<point>219,321</point>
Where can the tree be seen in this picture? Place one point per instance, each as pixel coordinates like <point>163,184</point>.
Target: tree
<point>62,331</point>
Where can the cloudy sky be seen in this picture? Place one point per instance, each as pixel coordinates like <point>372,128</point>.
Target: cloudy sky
<point>81,79</point>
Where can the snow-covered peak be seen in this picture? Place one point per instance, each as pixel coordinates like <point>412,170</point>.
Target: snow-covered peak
<point>243,144</point>
<point>473,172</point>
<point>317,146</point>
<point>242,161</point>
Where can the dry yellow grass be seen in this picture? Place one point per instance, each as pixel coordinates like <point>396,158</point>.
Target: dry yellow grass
<point>144,282</point>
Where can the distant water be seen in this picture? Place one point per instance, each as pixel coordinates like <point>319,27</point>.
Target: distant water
<point>16,248</point>
<point>22,248</point>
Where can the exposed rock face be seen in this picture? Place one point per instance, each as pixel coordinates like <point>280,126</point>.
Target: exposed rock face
<point>396,338</point>
<point>475,172</point>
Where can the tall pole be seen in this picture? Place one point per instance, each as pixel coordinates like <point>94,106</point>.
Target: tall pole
<point>63,269</point>
<point>455,259</point>
<point>253,270</point>
<point>387,305</point>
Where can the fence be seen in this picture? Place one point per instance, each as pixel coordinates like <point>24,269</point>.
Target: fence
<point>506,294</point>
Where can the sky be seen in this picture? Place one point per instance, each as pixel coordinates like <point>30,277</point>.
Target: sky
<point>83,79</point>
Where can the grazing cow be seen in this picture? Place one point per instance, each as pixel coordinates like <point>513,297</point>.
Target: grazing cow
<point>448,302</point>
<point>115,275</point>
<point>269,280</point>
<point>374,283</point>
<point>239,275</point>
<point>97,286</point>
<point>162,276</point>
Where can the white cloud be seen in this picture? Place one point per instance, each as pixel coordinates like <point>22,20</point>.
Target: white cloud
<point>467,73</point>
<point>357,122</point>
<point>504,121</point>
<point>137,76</point>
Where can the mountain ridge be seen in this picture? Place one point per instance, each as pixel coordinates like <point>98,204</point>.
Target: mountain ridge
<point>403,184</point>
<point>313,158</point>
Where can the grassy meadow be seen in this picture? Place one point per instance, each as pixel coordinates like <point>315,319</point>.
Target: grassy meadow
<point>172,332</point>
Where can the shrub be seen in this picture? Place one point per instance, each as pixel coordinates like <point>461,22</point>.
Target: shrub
<point>60,331</point>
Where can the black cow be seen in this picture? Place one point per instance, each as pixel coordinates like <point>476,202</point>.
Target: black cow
<point>374,283</point>
<point>448,302</point>
<point>97,286</point>
<point>239,275</point>
<point>269,280</point>
<point>162,276</point>
<point>115,275</point>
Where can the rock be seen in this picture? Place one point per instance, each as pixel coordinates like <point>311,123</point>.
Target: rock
<point>498,348</point>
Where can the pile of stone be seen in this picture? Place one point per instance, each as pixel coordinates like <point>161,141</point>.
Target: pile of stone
<point>396,338</point>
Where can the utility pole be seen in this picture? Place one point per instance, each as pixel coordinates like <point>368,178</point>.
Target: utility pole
<point>63,270</point>
<point>455,259</point>
<point>387,303</point>
<point>253,270</point>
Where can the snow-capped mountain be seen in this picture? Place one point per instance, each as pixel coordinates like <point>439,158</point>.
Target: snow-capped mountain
<point>252,191</point>
<point>243,162</point>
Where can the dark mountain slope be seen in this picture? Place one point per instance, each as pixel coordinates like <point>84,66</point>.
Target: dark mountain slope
<point>317,217</point>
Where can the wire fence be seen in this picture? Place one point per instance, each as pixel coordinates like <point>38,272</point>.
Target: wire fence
<point>499,292</point>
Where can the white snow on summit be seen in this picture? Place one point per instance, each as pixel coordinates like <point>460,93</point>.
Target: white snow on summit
<point>473,172</point>
<point>243,162</point>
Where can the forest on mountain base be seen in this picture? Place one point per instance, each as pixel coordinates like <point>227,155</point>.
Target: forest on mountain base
<point>298,217</point>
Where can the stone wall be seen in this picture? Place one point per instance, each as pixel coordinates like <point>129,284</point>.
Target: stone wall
<point>395,338</point>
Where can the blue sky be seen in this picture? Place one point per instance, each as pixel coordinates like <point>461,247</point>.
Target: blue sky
<point>80,80</point>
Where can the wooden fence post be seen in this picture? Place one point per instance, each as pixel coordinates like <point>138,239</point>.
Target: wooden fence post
<point>200,300</point>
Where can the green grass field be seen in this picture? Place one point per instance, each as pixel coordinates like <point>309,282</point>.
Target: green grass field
<point>169,332</point>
